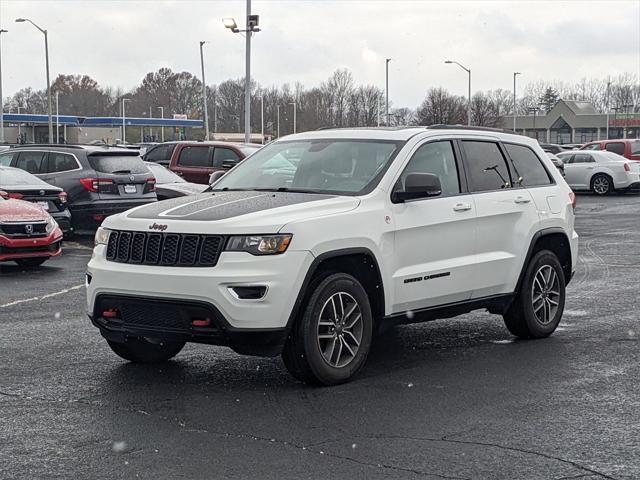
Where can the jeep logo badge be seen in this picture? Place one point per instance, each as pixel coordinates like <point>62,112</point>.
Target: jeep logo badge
<point>158,227</point>
<point>28,229</point>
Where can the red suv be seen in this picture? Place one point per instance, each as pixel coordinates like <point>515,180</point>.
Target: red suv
<point>28,234</point>
<point>628,148</point>
<point>196,161</point>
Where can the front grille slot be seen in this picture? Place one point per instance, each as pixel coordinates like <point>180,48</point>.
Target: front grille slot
<point>20,229</point>
<point>168,249</point>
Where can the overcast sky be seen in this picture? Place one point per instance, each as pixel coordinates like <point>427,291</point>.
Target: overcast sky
<point>118,42</point>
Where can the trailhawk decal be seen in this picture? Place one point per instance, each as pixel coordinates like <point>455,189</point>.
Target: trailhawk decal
<point>221,205</point>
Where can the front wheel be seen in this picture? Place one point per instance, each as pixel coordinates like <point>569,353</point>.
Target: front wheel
<point>330,342</point>
<point>141,350</point>
<point>537,309</point>
<point>601,185</point>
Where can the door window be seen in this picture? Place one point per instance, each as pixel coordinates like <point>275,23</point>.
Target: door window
<point>60,162</point>
<point>528,168</point>
<point>485,166</point>
<point>30,161</point>
<point>616,147</point>
<point>224,158</point>
<point>5,159</point>
<point>582,158</point>
<point>439,159</point>
<point>593,146</point>
<point>195,156</point>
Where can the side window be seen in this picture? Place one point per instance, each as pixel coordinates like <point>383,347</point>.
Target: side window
<point>5,159</point>
<point>616,147</point>
<point>527,166</point>
<point>224,158</point>
<point>593,146</point>
<point>195,156</point>
<point>439,159</point>
<point>30,161</point>
<point>485,166</point>
<point>61,162</point>
<point>566,159</point>
<point>162,152</point>
<point>583,158</point>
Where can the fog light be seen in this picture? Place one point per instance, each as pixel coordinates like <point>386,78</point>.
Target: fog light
<point>252,292</point>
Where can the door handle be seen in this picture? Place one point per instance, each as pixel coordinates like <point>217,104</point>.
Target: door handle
<point>590,168</point>
<point>521,199</point>
<point>461,207</point>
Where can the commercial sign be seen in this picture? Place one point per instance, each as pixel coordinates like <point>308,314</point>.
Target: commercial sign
<point>625,120</point>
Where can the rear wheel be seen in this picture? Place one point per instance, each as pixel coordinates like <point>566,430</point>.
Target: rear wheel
<point>601,184</point>
<point>330,342</point>
<point>31,262</point>
<point>141,350</point>
<point>538,307</point>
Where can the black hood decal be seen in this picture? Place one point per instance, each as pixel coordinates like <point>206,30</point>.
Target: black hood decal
<point>221,205</point>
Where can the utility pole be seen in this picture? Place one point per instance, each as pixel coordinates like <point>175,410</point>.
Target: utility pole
<point>278,120</point>
<point>294,116</point>
<point>162,127</point>
<point>204,95</point>
<point>1,97</point>
<point>387,90</point>
<point>262,119</point>
<point>607,106</point>
<point>57,117</point>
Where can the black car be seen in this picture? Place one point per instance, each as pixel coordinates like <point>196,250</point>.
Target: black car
<point>552,148</point>
<point>16,183</point>
<point>99,180</point>
<point>170,185</point>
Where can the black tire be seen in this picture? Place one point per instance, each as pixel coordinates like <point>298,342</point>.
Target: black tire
<point>303,354</point>
<point>601,184</point>
<point>31,262</point>
<point>139,350</point>
<point>522,318</point>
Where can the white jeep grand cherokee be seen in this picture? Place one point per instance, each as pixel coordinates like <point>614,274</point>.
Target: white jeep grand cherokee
<point>316,241</point>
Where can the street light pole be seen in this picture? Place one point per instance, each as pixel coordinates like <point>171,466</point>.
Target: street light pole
<point>57,117</point>
<point>204,95</point>
<point>124,128</point>
<point>46,52</point>
<point>278,120</point>
<point>607,108</point>
<point>468,70</point>
<point>515,74</point>
<point>162,127</point>
<point>1,98</point>
<point>295,122</point>
<point>262,119</point>
<point>387,90</point>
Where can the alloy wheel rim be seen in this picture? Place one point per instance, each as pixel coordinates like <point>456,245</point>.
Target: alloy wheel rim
<point>545,294</point>
<point>601,185</point>
<point>340,329</point>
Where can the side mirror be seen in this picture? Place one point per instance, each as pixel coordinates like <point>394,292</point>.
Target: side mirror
<point>417,185</point>
<point>215,176</point>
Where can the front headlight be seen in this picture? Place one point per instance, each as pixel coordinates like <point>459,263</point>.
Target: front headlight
<point>102,236</point>
<point>259,244</point>
<point>51,225</point>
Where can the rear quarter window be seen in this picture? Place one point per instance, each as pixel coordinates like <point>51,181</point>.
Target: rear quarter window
<point>117,164</point>
<point>615,147</point>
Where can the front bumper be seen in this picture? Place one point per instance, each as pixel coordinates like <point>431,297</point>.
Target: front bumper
<point>17,248</point>
<point>198,293</point>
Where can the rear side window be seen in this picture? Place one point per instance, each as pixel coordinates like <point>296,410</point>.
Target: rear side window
<point>616,147</point>
<point>60,162</point>
<point>582,158</point>
<point>194,156</point>
<point>529,170</point>
<point>162,152</point>
<point>225,157</point>
<point>30,161</point>
<point>5,159</point>
<point>117,164</point>
<point>485,166</point>
<point>635,148</point>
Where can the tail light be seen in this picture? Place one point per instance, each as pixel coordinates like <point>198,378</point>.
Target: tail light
<point>627,168</point>
<point>94,184</point>
<point>15,195</point>
<point>573,199</point>
<point>63,197</point>
<point>151,184</point>
<point>4,194</point>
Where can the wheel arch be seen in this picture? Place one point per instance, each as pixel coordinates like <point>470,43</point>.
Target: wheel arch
<point>605,172</point>
<point>554,239</point>
<point>359,262</point>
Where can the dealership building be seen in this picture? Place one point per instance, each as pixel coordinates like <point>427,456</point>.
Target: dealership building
<point>572,121</point>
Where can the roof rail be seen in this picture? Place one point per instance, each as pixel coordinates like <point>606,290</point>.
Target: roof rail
<point>442,126</point>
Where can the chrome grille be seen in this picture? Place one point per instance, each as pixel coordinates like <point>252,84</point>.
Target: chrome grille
<point>172,249</point>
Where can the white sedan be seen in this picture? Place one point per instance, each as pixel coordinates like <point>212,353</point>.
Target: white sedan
<point>600,172</point>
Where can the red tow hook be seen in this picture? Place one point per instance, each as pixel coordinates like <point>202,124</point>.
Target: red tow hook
<point>201,323</point>
<point>110,313</point>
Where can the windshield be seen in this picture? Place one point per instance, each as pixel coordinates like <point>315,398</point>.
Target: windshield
<point>348,167</point>
<point>164,175</point>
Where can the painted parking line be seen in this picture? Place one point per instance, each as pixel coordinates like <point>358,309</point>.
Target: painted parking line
<point>43,297</point>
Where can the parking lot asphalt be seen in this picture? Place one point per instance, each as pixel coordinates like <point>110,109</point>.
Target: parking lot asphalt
<point>455,398</point>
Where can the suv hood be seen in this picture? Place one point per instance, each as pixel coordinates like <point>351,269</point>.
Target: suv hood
<point>231,212</point>
<point>21,211</point>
